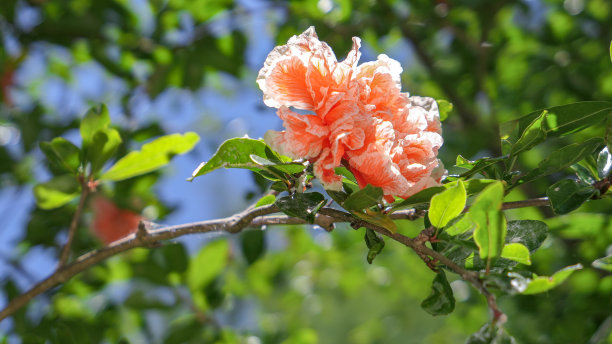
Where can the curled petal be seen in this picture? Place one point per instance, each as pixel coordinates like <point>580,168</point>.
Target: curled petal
<point>376,168</point>
<point>324,170</point>
<point>304,137</point>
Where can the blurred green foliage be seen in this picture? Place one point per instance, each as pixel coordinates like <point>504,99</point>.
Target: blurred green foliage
<point>493,60</point>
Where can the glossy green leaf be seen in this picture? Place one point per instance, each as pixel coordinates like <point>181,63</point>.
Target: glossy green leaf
<point>253,245</point>
<point>604,163</point>
<point>471,186</point>
<point>516,252</point>
<point>151,156</point>
<point>583,173</point>
<point>265,200</point>
<point>441,300</point>
<point>233,153</point>
<point>530,233</point>
<point>534,134</point>
<point>367,197</point>
<point>375,244</point>
<point>540,284</point>
<point>286,167</point>
<point>104,144</point>
<point>562,120</point>
<point>377,218</point>
<point>477,166</point>
<point>490,232</point>
<point>563,158</point>
<point>57,192</point>
<point>444,107</point>
<point>604,263</point>
<point>62,154</point>
<point>567,195</point>
<point>447,205</point>
<point>302,205</point>
<point>610,51</point>
<point>96,119</point>
<point>207,264</point>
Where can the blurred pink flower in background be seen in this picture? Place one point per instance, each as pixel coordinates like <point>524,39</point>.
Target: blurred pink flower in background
<point>358,117</point>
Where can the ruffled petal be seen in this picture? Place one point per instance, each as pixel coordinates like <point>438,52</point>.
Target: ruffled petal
<point>324,170</point>
<point>376,168</point>
<point>304,137</point>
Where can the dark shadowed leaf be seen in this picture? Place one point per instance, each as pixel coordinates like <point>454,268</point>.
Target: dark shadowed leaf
<point>530,233</point>
<point>152,156</point>
<point>441,300</point>
<point>253,245</point>
<point>367,197</point>
<point>567,195</point>
<point>375,244</point>
<point>533,135</point>
<point>62,154</point>
<point>302,205</point>
<point>233,153</point>
<point>563,158</point>
<point>57,192</point>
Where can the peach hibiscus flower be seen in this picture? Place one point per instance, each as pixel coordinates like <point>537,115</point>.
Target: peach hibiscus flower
<point>356,115</point>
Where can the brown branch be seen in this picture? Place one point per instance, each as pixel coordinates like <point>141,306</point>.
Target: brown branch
<point>65,254</point>
<point>236,223</point>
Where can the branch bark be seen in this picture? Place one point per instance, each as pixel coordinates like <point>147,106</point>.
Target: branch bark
<point>252,217</point>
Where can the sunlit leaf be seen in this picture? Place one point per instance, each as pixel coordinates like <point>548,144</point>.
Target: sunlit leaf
<point>604,163</point>
<point>367,197</point>
<point>604,263</point>
<point>207,264</point>
<point>152,156</point>
<point>97,118</point>
<point>447,205</point>
<point>444,107</point>
<point>567,195</point>
<point>265,200</point>
<point>516,252</point>
<point>377,218</point>
<point>290,168</point>
<point>490,232</point>
<point>104,144</point>
<point>462,225</point>
<point>57,192</point>
<point>233,153</point>
<point>534,134</point>
<point>375,244</point>
<point>472,186</point>
<point>441,300</point>
<point>540,284</point>
<point>302,205</point>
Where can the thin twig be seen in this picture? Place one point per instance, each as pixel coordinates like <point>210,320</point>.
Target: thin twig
<point>65,254</point>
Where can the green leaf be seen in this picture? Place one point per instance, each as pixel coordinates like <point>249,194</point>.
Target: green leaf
<point>517,252</point>
<point>302,205</point>
<point>377,218</point>
<point>447,205</point>
<point>490,232</point>
<point>265,200</point>
<point>530,233</point>
<point>57,192</point>
<point>441,300</point>
<point>561,120</point>
<point>610,51</point>
<point>367,197</point>
<point>152,156</point>
<point>567,195</point>
<point>476,166</point>
<point>233,153</point>
<point>563,158</point>
<point>444,107</point>
<point>286,167</point>
<point>375,244</point>
<point>604,163</point>
<point>604,263</point>
<point>534,134</point>
<point>104,144</point>
<point>62,154</point>
<point>462,225</point>
<point>540,284</point>
<point>253,245</point>
<point>471,186</point>
<point>96,119</point>
<point>207,264</point>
